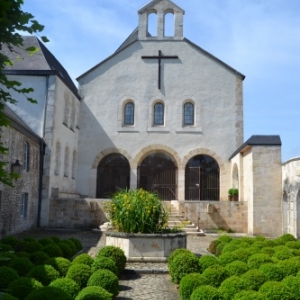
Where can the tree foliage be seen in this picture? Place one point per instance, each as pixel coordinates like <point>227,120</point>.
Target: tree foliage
<point>13,20</point>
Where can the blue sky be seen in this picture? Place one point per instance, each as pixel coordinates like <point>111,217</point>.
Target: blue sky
<point>259,38</point>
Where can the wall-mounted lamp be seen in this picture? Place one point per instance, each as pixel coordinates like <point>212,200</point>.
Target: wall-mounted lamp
<point>16,167</point>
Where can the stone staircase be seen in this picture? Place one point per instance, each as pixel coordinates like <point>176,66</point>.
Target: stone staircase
<point>177,220</point>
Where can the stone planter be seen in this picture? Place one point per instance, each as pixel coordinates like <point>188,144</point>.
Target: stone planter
<point>146,247</point>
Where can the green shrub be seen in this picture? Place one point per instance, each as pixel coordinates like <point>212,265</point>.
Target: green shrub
<point>106,263</point>
<point>55,239</point>
<point>254,279</point>
<point>212,248</point>
<point>137,211</point>
<point>32,247</point>
<point>23,286</point>
<point>248,240</point>
<point>80,273</point>
<point>8,297</point>
<point>6,258</point>
<point>249,295</point>
<point>72,246</point>
<point>283,254</point>
<point>94,293</point>
<point>236,268</point>
<point>60,264</point>
<point>7,275</point>
<point>44,274</point>
<point>45,241</point>
<point>293,283</point>
<point>29,239</point>
<point>53,250</point>
<point>296,252</point>
<point>83,258</point>
<point>38,257</point>
<point>182,265</point>
<point>11,241</point>
<point>48,293</point>
<point>219,248</point>
<point>77,243</point>
<point>259,245</point>
<point>189,283</point>
<point>22,265</point>
<point>105,279</point>
<point>290,266</point>
<point>231,286</point>
<point>276,291</point>
<point>287,237</point>
<point>116,254</point>
<point>205,292</point>
<point>23,254</point>
<point>293,244</point>
<point>267,250</point>
<point>66,250</point>
<point>5,248</point>
<point>273,271</point>
<point>176,252</point>
<point>215,275</point>
<point>256,260</point>
<point>226,258</point>
<point>234,245</point>
<point>242,254</point>
<point>69,286</point>
<point>206,261</point>
<point>260,238</point>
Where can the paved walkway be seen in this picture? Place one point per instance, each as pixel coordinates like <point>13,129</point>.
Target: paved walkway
<point>140,281</point>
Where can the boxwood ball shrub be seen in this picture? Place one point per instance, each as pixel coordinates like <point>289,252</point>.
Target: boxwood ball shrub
<point>53,250</point>
<point>5,248</point>
<point>72,246</point>
<point>94,293</point>
<point>212,248</point>
<point>48,293</point>
<point>189,283</point>
<point>254,279</point>
<point>105,279</point>
<point>231,286</point>
<point>276,291</point>
<point>38,257</point>
<point>22,265</point>
<point>283,254</point>
<point>77,243</point>
<point>249,295</point>
<point>10,240</point>
<point>32,247</point>
<point>293,244</point>
<point>219,248</point>
<point>80,273</point>
<point>45,241</point>
<point>236,268</point>
<point>55,239</point>
<point>287,237</point>
<point>66,250</point>
<point>6,258</point>
<point>69,286</point>
<point>273,271</point>
<point>256,260</point>
<point>205,292</point>
<point>60,264</point>
<point>116,254</point>
<point>176,252</point>
<point>243,254</point>
<point>23,286</point>
<point>268,250</point>
<point>226,258</point>
<point>225,239</point>
<point>44,274</point>
<point>106,263</point>
<point>182,265</point>
<point>23,254</point>
<point>83,258</point>
<point>215,275</point>
<point>7,275</point>
<point>293,283</point>
<point>290,266</point>
<point>8,297</point>
<point>206,261</point>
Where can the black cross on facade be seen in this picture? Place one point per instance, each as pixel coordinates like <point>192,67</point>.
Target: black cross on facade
<point>159,58</point>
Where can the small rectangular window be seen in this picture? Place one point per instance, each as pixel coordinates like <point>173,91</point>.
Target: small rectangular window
<point>24,205</point>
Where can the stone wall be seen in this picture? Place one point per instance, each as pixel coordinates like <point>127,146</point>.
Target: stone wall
<point>11,220</point>
<point>227,215</point>
<point>77,213</point>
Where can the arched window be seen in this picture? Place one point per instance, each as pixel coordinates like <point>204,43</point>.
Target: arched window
<point>188,115</point>
<point>129,114</point>
<point>66,112</point>
<point>26,157</point>
<point>73,116</point>
<point>152,24</point>
<point>158,116</point>
<point>66,163</point>
<point>57,159</point>
<point>169,25</point>
<point>74,164</point>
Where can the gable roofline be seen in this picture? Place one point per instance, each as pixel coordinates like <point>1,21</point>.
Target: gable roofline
<point>133,38</point>
<point>154,2</point>
<point>258,140</point>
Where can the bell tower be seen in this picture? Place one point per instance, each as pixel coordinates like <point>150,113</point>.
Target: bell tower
<point>161,8</point>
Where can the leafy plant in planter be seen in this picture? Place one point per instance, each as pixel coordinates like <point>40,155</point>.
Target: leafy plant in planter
<point>137,211</point>
<point>233,194</point>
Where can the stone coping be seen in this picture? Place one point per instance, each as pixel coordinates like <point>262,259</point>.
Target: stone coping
<point>144,235</point>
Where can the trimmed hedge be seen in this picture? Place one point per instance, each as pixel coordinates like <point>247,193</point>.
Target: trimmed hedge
<point>256,260</point>
<point>206,261</point>
<point>276,291</point>
<point>231,286</point>
<point>236,268</point>
<point>293,283</point>
<point>48,293</point>
<point>189,283</point>
<point>249,295</point>
<point>254,279</point>
<point>60,264</point>
<point>80,273</point>
<point>38,257</point>
<point>7,275</point>
<point>83,258</point>
<point>273,271</point>
<point>69,286</point>
<point>21,265</point>
<point>94,293</point>
<point>215,275</point>
<point>53,250</point>
<point>206,292</point>
<point>77,243</point>
<point>106,263</point>
<point>44,273</point>
<point>23,286</point>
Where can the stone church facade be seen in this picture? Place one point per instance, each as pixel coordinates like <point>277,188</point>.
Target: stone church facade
<point>165,115</point>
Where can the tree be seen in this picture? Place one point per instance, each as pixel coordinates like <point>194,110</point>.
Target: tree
<point>12,21</point>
